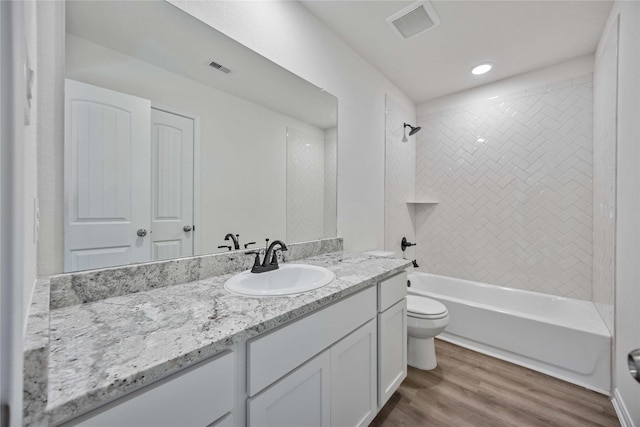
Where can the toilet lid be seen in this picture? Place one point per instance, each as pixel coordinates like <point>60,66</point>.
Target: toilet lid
<point>425,307</point>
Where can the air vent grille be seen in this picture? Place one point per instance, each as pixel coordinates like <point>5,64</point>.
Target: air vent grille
<point>414,19</point>
<point>219,67</point>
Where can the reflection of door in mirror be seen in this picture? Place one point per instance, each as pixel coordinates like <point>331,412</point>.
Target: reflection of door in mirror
<point>172,185</point>
<point>112,164</point>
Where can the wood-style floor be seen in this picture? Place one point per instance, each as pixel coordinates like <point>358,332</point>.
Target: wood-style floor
<point>471,389</point>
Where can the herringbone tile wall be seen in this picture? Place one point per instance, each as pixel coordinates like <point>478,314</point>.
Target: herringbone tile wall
<point>399,182</point>
<point>330,181</point>
<point>305,186</point>
<point>513,179</point>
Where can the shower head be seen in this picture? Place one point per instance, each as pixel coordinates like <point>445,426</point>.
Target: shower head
<point>413,131</point>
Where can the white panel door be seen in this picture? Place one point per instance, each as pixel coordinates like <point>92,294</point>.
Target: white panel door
<point>392,350</point>
<point>172,185</point>
<point>300,399</point>
<point>354,366</point>
<point>107,177</point>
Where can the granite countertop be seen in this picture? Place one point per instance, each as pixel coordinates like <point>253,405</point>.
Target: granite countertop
<point>102,350</point>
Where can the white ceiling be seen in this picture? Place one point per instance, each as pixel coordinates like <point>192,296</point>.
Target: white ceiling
<point>517,36</point>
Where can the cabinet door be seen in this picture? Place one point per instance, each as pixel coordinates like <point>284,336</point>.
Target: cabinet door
<point>299,399</point>
<point>354,378</point>
<point>392,350</point>
<point>192,398</point>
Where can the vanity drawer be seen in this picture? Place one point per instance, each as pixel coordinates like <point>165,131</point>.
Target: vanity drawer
<point>391,290</point>
<point>271,356</point>
<point>197,397</point>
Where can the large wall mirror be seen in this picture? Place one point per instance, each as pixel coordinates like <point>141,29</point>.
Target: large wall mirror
<point>176,136</point>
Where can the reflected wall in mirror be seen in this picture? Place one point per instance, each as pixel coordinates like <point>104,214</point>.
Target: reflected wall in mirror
<point>166,154</point>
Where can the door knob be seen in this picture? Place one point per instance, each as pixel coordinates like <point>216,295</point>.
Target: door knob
<point>142,232</point>
<point>633,360</point>
<point>187,228</point>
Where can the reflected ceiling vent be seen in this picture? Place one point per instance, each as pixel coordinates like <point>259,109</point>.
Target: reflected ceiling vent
<point>414,19</point>
<point>219,67</point>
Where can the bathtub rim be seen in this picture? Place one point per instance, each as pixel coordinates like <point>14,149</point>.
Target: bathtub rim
<point>603,330</point>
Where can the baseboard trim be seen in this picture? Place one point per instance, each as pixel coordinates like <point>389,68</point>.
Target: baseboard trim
<point>621,410</point>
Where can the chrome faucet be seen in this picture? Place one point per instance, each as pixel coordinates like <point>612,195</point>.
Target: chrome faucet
<point>270,260</point>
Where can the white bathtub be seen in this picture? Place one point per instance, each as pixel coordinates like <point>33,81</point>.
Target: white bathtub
<point>562,337</point>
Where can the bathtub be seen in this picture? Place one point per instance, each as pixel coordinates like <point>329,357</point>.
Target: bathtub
<point>562,337</point>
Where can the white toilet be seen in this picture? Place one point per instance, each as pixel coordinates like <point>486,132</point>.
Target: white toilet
<point>426,318</point>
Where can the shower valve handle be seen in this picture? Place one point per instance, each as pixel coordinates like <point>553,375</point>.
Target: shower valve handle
<point>405,244</point>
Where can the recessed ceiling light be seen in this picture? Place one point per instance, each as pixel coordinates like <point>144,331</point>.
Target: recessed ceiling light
<point>482,68</point>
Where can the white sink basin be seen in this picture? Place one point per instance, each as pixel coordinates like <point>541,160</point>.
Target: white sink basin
<point>289,279</point>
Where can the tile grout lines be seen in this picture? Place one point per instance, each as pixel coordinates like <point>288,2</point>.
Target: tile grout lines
<point>514,181</point>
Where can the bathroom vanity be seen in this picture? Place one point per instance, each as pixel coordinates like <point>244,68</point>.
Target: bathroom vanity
<point>195,354</point>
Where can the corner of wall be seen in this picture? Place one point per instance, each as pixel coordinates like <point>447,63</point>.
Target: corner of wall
<point>400,163</point>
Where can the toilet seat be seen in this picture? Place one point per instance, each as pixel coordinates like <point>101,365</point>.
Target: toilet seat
<point>425,308</point>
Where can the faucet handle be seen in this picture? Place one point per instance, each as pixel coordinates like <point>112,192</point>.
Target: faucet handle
<point>256,262</point>
<point>274,256</point>
<point>223,246</point>
<point>247,244</point>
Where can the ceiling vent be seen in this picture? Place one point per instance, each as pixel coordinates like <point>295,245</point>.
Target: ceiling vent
<point>414,19</point>
<point>219,67</point>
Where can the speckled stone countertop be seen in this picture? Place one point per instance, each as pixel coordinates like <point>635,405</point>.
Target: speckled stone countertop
<point>104,349</point>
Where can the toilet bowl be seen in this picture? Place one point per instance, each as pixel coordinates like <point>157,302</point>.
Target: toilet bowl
<point>426,318</point>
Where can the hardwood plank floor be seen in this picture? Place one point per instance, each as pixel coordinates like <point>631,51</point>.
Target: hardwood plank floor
<point>475,390</point>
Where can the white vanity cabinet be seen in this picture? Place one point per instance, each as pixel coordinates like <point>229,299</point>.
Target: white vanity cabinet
<point>336,366</point>
<point>335,388</point>
<point>329,359</point>
<point>392,335</point>
<point>199,396</point>
<point>302,398</point>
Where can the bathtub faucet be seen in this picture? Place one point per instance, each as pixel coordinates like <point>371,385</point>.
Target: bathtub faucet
<point>405,244</point>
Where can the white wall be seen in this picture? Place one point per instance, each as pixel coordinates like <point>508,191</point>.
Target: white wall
<point>627,267</point>
<point>515,85</point>
<point>50,81</point>
<point>286,33</point>
<point>18,29</point>
<point>33,15</point>
<point>400,179</point>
